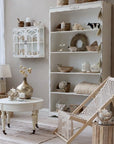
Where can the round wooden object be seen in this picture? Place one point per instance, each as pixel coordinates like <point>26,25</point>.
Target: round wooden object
<point>103,134</point>
<point>80,37</point>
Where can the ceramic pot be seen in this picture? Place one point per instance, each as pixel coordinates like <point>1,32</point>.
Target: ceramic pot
<point>24,87</point>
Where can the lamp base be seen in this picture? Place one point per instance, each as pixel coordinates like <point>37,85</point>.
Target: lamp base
<point>2,86</point>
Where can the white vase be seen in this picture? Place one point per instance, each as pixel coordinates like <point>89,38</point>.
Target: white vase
<point>85,67</point>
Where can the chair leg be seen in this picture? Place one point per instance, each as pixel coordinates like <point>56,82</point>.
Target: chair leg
<point>72,127</point>
<point>77,133</point>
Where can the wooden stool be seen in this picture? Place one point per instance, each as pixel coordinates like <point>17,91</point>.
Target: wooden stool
<point>103,134</point>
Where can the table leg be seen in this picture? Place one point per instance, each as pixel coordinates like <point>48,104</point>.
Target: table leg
<point>3,117</point>
<point>8,119</point>
<point>37,118</point>
<point>34,119</point>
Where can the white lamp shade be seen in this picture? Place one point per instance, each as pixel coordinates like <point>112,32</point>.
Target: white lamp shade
<point>5,71</point>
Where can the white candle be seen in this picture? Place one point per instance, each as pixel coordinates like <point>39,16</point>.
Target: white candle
<point>21,95</point>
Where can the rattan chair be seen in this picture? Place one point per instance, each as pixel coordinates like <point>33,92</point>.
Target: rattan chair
<point>98,100</point>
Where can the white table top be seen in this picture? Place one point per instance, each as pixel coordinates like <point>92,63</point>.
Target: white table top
<point>20,105</point>
<point>21,101</point>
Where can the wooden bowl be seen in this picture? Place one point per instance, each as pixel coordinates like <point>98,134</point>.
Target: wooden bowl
<point>64,68</point>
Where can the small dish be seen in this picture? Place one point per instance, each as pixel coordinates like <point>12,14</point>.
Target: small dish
<point>64,68</point>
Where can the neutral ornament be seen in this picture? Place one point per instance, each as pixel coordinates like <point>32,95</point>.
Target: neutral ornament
<point>61,47</point>
<point>24,87</point>
<point>60,106</point>
<point>21,95</point>
<point>63,86</point>
<point>85,67</point>
<point>93,47</point>
<point>13,94</point>
<point>63,26</point>
<point>95,67</point>
<point>72,49</point>
<point>62,68</point>
<point>94,25</point>
<point>77,26</point>
<point>80,41</point>
<point>104,116</point>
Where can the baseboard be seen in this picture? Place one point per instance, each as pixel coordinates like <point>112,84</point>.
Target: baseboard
<point>44,110</point>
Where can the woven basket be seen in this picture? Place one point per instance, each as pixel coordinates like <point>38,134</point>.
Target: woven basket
<point>82,1</point>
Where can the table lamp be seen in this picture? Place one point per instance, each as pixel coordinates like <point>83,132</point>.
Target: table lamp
<point>5,72</point>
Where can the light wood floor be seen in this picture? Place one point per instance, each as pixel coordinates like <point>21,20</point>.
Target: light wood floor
<point>51,123</point>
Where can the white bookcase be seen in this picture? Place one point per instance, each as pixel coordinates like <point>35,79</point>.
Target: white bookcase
<point>28,42</point>
<point>77,13</point>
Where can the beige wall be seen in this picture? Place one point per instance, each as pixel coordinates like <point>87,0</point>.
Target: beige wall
<point>112,58</point>
<point>38,10</point>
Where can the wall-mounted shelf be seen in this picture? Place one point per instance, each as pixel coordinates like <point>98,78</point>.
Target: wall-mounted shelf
<point>68,93</point>
<point>74,31</point>
<point>28,42</point>
<point>79,6</point>
<point>76,73</point>
<point>77,52</point>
